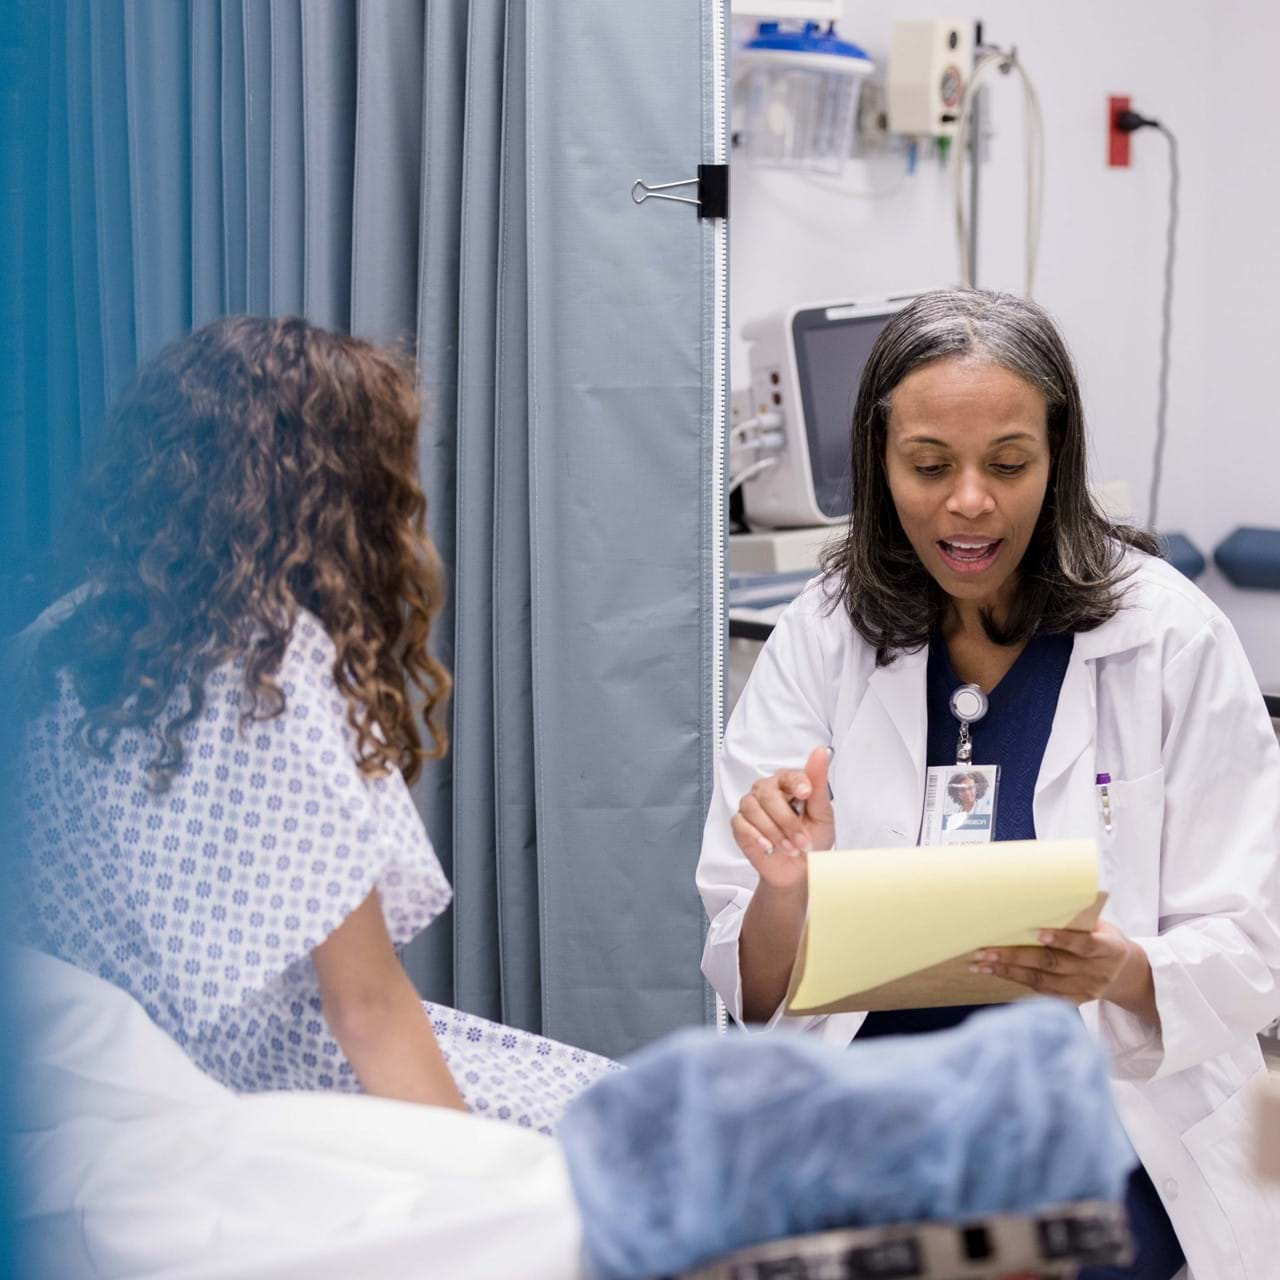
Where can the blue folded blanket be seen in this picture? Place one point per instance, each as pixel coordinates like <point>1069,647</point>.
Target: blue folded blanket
<point>712,1143</point>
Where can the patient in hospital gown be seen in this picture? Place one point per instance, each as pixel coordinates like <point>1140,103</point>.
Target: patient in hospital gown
<point>205,902</point>
<point>259,475</point>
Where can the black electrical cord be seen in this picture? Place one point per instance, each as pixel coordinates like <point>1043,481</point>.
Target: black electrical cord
<point>1128,122</point>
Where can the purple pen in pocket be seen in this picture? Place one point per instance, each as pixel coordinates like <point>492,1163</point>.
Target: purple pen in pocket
<point>1103,782</point>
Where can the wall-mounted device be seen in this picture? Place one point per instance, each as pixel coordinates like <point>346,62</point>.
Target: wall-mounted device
<point>806,364</point>
<point>797,84</point>
<point>929,65</point>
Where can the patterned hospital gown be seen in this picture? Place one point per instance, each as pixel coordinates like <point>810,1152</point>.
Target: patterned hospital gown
<point>205,901</point>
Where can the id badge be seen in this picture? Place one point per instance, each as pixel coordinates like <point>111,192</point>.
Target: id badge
<point>960,804</point>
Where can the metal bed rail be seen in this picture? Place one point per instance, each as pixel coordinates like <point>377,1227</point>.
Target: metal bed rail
<point>1052,1244</point>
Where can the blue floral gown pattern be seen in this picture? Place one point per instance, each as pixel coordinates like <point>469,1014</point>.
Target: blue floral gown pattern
<point>205,901</point>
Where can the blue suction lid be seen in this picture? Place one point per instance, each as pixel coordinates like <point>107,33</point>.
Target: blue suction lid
<point>773,37</point>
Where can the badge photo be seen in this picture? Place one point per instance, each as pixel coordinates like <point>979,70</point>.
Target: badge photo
<point>960,804</point>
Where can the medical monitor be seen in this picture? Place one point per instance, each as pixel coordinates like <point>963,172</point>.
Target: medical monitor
<point>805,366</point>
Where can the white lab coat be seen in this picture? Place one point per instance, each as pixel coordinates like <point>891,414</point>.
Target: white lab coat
<point>1162,698</point>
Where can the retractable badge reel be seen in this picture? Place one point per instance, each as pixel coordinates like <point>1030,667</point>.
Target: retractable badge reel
<point>960,799</point>
<point>968,705</point>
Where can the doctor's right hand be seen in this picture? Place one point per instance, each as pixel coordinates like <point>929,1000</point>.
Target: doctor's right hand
<point>771,833</point>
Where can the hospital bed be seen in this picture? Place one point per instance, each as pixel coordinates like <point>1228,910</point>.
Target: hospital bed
<point>136,1163</point>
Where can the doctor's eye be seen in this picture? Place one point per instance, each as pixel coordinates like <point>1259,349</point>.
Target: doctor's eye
<point>1009,468</point>
<point>931,471</point>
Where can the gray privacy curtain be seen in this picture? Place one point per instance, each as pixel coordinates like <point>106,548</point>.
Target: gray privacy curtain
<point>454,175</point>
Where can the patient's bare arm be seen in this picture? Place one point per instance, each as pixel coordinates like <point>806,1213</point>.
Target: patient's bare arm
<point>376,1016</point>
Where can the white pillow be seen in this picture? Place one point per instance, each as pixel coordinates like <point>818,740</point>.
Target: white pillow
<point>91,1051</point>
<point>139,1164</point>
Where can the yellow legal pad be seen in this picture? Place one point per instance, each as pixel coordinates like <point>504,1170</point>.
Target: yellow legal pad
<point>897,928</point>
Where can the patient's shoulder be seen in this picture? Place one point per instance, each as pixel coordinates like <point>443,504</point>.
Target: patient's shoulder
<point>310,654</point>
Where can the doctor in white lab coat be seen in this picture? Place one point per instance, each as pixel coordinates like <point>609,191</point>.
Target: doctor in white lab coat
<point>972,521</point>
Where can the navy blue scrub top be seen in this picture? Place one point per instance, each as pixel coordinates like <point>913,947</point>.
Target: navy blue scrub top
<point>1013,734</point>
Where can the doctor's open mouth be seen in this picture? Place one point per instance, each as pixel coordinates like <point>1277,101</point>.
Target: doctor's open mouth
<point>970,555</point>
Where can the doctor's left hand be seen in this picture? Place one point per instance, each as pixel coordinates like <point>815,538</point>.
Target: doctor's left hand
<point>1078,966</point>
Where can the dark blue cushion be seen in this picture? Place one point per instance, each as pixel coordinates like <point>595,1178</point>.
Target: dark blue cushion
<point>1251,558</point>
<point>1183,554</point>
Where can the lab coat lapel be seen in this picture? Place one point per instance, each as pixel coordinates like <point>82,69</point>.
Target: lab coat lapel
<point>897,693</point>
<point>900,690</point>
<point>1062,794</point>
<point>1064,797</point>
<point>897,700</point>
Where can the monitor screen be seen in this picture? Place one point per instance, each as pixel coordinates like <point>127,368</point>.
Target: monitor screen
<point>832,345</point>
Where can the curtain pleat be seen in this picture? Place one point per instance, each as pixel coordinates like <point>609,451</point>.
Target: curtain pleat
<point>430,957</point>
<point>235,186</point>
<point>208,266</point>
<point>90,371</point>
<point>40,279</point>
<point>329,137</point>
<point>14,497</point>
<point>519,893</point>
<point>61,383</point>
<point>113,209</point>
<point>288,182</point>
<point>477,980</point>
<point>156,43</point>
<point>453,176</point>
<point>257,125</point>
<point>384,248</point>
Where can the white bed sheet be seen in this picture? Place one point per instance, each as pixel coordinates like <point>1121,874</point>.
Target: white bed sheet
<point>137,1164</point>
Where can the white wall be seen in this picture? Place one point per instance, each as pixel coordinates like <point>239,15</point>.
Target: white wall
<point>1198,65</point>
<point>1239,438</point>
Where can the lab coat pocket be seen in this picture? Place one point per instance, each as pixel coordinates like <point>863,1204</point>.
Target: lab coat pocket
<point>1222,1147</point>
<point>1130,824</point>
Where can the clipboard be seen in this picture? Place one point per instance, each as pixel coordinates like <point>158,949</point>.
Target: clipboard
<point>897,928</point>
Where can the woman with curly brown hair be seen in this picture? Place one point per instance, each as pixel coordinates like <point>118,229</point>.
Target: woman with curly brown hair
<point>215,770</point>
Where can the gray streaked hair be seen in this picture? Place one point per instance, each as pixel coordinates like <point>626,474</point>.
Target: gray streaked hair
<point>1071,576</point>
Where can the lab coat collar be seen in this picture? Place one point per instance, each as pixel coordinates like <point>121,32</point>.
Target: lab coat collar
<point>900,690</point>
<point>1130,628</point>
<point>1075,720</point>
